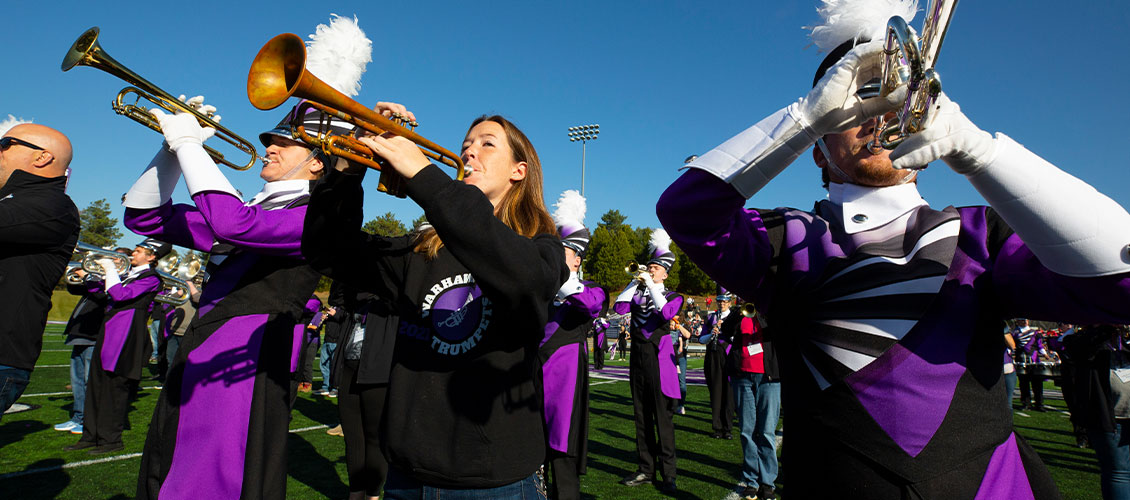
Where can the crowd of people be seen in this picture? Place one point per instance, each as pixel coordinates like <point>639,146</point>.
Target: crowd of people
<point>459,352</point>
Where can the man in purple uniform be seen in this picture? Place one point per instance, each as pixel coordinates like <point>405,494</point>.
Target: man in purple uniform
<point>122,347</point>
<point>651,370</point>
<point>564,362</point>
<point>887,313</point>
<point>236,358</point>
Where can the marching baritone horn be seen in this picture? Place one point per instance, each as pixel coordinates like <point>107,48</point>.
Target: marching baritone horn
<point>910,60</point>
<point>87,52</point>
<point>748,310</point>
<point>279,72</point>
<point>86,256</point>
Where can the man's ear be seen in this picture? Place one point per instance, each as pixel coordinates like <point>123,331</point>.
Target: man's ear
<point>819,158</point>
<point>43,159</point>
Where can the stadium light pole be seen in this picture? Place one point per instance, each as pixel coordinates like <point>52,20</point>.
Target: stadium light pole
<point>583,133</point>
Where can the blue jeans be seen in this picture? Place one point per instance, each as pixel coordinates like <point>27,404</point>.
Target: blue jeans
<point>1113,451</point>
<point>1010,387</point>
<point>171,349</point>
<point>325,362</point>
<point>154,335</point>
<point>758,403</point>
<point>401,487</point>
<point>13,381</point>
<point>80,370</point>
<point>682,378</point>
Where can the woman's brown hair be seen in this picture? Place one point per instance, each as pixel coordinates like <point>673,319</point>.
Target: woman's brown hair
<point>522,209</point>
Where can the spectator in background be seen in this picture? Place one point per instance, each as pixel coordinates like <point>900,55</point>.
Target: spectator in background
<point>39,227</point>
<point>1102,381</point>
<point>1009,368</point>
<point>756,381</point>
<point>82,332</point>
<point>681,331</point>
<point>306,335</point>
<point>332,318</point>
<point>1030,349</point>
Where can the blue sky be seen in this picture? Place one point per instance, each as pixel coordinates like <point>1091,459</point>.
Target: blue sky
<point>663,79</point>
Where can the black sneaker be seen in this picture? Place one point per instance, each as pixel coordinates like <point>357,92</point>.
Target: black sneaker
<point>106,448</point>
<point>667,487</point>
<point>749,493</point>
<point>766,492</point>
<point>81,445</point>
<point>636,479</point>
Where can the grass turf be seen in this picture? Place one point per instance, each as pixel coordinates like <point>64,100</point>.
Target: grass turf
<point>34,466</point>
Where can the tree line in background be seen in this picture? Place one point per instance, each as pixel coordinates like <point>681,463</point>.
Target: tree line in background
<point>614,244</point>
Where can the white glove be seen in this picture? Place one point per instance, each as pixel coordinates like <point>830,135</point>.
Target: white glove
<point>749,160</point>
<point>950,136</point>
<point>572,286</point>
<point>181,129</point>
<point>656,290</point>
<point>197,103</point>
<point>833,106</point>
<point>110,271</point>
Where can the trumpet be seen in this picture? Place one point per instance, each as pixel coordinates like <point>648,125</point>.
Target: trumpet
<point>748,310</point>
<point>279,72</point>
<point>634,269</point>
<point>87,52</point>
<point>917,73</point>
<point>86,256</point>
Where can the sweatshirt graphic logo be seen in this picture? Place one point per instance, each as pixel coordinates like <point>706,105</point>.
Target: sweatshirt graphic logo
<point>458,313</point>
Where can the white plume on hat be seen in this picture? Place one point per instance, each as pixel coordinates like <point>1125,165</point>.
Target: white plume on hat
<point>661,241</point>
<point>337,54</point>
<point>570,209</point>
<point>844,20</point>
<point>10,122</point>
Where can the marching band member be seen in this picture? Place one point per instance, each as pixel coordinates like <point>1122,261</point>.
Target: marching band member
<point>472,293</point>
<point>564,362</point>
<point>122,347</point>
<point>714,364</point>
<point>235,361</point>
<point>599,341</point>
<point>886,312</point>
<point>651,369</point>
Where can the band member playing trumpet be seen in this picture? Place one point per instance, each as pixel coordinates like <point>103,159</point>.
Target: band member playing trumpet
<point>886,312</point>
<point>235,360</point>
<point>651,370</point>
<point>122,347</point>
<point>564,361</point>
<point>473,294</point>
<point>717,381</point>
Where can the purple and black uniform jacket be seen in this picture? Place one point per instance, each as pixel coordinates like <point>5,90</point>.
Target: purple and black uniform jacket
<point>653,327</point>
<point>889,338</point>
<point>564,365</point>
<point>124,345</point>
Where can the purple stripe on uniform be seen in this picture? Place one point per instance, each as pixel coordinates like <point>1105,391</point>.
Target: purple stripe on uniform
<point>114,339</point>
<point>182,225</point>
<point>1005,477</point>
<point>271,232</point>
<point>215,409</point>
<point>552,325</point>
<point>559,379</point>
<point>128,291</point>
<point>668,374</point>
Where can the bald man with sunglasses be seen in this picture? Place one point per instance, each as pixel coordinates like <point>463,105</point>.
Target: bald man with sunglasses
<point>39,227</point>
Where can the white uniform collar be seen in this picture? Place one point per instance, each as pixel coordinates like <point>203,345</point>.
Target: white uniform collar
<point>136,270</point>
<point>864,208</point>
<point>281,191</point>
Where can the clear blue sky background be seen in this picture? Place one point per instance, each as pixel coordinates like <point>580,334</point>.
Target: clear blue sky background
<point>663,79</point>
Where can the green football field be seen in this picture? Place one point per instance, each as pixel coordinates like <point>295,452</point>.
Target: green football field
<point>33,464</point>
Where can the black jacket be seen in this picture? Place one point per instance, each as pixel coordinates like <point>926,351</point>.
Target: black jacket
<point>86,319</point>
<point>39,227</point>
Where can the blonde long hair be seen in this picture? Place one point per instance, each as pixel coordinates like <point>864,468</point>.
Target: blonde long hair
<point>522,209</point>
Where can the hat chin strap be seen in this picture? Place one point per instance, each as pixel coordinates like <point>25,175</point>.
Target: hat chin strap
<point>301,165</point>
<point>835,168</point>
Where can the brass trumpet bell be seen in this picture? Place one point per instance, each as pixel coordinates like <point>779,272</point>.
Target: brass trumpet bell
<point>279,72</point>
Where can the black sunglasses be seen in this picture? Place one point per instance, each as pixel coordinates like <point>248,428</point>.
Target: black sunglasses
<point>7,142</point>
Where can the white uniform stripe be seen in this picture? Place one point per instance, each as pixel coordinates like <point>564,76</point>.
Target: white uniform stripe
<point>921,285</point>
<point>946,230</point>
<point>820,380</point>
<point>851,359</point>
<point>889,328</point>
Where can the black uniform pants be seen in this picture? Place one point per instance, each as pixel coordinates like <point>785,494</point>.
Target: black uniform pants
<point>598,353</point>
<point>1031,385</point>
<point>721,395</point>
<point>565,483</point>
<point>361,408</point>
<point>653,410</point>
<point>107,403</point>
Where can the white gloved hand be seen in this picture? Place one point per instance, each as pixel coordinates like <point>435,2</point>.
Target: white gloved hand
<point>181,129</point>
<point>949,136</point>
<point>833,106</point>
<point>110,271</point>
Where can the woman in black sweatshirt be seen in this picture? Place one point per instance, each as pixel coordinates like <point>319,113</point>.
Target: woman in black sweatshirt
<point>472,293</point>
